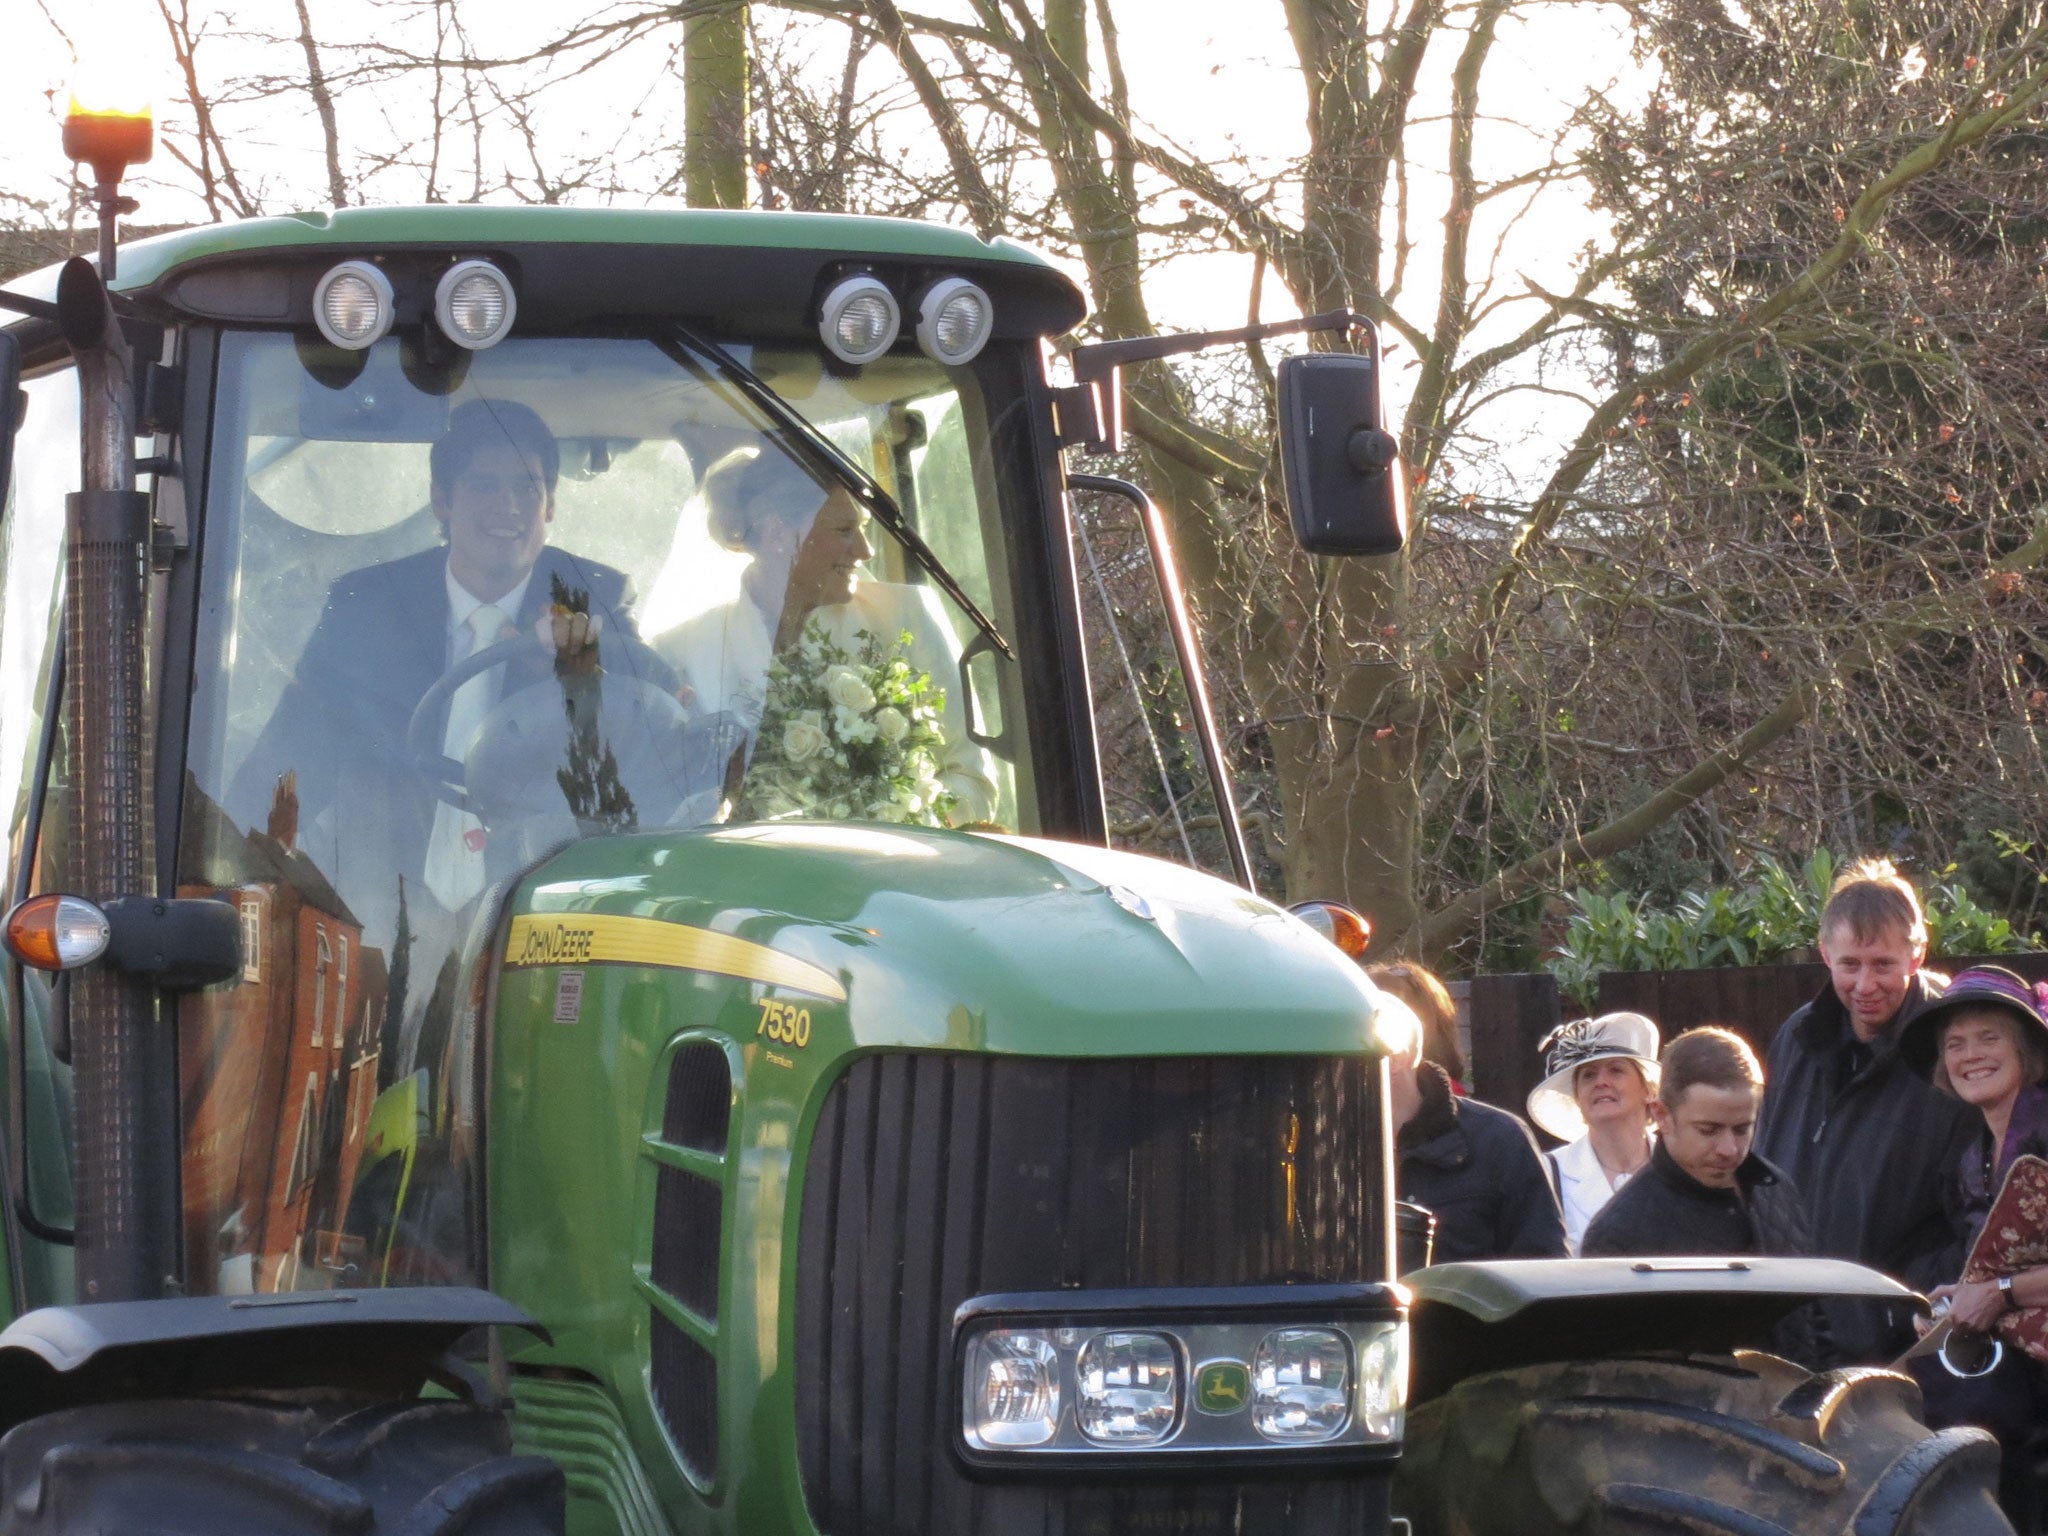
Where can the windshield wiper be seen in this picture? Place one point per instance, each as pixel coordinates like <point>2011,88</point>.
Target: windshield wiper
<point>849,472</point>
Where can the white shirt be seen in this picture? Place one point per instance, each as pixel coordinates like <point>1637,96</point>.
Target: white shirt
<point>462,603</point>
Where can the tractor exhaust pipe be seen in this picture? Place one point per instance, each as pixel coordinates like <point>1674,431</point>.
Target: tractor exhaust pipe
<point>123,1056</point>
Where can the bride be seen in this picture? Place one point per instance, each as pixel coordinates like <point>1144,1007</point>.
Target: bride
<point>809,543</point>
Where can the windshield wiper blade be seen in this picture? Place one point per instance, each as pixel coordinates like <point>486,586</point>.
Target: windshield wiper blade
<point>848,471</point>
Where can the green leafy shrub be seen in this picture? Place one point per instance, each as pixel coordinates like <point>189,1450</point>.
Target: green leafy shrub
<point>1774,918</point>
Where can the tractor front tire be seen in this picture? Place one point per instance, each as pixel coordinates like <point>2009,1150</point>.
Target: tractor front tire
<point>1741,1445</point>
<point>284,1465</point>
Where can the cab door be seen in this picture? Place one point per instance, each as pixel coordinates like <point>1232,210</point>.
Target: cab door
<point>36,790</point>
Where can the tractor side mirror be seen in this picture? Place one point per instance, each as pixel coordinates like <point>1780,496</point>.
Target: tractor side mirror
<point>1340,467</point>
<point>10,406</point>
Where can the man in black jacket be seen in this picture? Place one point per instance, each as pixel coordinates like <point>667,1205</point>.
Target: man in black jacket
<point>1705,1191</point>
<point>1866,1137</point>
<point>1475,1166</point>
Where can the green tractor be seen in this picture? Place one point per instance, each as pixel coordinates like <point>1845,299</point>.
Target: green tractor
<point>565,968</point>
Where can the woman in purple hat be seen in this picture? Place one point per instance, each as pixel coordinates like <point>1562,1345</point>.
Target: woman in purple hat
<point>1985,1040</point>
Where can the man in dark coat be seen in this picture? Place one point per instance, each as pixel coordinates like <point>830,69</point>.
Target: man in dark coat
<point>1474,1166</point>
<point>1705,1191</point>
<point>1863,1135</point>
<point>387,633</point>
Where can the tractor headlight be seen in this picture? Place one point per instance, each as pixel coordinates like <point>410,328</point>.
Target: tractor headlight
<point>1013,1389</point>
<point>353,305</point>
<point>1301,1384</point>
<point>474,305</point>
<point>954,318</point>
<point>1129,1388</point>
<point>859,319</point>
<point>1251,1375</point>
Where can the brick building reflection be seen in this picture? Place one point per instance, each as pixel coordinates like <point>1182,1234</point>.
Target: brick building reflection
<point>278,1073</point>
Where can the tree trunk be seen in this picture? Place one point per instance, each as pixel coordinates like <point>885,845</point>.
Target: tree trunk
<point>715,109</point>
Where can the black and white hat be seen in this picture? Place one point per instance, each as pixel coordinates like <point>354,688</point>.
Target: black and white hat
<point>1622,1036</point>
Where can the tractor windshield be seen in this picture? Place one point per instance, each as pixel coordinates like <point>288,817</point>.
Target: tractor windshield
<point>461,609</point>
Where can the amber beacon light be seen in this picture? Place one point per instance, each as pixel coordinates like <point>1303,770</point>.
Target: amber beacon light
<point>108,135</point>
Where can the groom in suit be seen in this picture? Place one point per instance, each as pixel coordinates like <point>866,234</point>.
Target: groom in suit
<point>389,632</point>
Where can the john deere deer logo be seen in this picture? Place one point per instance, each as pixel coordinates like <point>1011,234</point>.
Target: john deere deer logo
<point>1223,1386</point>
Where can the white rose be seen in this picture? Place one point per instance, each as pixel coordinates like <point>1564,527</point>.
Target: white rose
<point>802,738</point>
<point>853,729</point>
<point>844,687</point>
<point>890,725</point>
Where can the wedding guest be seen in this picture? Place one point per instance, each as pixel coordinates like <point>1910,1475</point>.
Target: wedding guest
<point>1596,1099</point>
<point>1984,1043</point>
<point>1423,990</point>
<point>1705,1189</point>
<point>1864,1136</point>
<point>1475,1166</point>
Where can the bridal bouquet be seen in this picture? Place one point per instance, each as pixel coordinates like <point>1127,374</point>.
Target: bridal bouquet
<point>849,735</point>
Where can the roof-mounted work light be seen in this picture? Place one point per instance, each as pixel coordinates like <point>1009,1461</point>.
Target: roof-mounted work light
<point>954,318</point>
<point>859,319</point>
<point>474,304</point>
<point>353,304</point>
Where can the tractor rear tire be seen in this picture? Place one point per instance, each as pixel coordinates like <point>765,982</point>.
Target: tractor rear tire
<point>1741,1445</point>
<point>282,1465</point>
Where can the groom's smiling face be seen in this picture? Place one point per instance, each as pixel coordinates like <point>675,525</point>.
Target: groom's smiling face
<point>496,514</point>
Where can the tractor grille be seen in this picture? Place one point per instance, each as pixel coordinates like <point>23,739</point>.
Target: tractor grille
<point>933,1178</point>
<point>688,1210</point>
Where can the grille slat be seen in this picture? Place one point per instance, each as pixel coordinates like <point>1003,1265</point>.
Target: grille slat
<point>933,1178</point>
<point>685,1393</point>
<point>687,1212</point>
<point>698,1110</point>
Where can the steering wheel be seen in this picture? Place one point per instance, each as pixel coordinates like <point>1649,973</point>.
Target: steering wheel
<point>529,738</point>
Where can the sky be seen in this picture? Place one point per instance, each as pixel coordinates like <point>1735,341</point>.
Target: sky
<point>1215,78</point>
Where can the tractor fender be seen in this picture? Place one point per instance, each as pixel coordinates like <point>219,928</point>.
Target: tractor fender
<point>1473,1318</point>
<point>385,1343</point>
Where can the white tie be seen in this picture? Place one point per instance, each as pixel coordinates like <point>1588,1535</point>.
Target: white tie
<point>455,868</point>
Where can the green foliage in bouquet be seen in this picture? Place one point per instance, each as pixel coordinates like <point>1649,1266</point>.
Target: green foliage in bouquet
<point>849,735</point>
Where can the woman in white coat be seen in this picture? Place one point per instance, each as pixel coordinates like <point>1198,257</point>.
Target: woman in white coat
<point>1602,1075</point>
<point>809,543</point>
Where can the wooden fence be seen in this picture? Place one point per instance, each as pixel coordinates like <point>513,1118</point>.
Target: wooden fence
<point>1510,1014</point>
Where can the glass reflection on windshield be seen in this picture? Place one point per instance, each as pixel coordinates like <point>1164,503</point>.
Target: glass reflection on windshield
<point>459,618</point>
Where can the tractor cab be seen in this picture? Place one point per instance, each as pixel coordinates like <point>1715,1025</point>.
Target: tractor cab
<point>717,531</point>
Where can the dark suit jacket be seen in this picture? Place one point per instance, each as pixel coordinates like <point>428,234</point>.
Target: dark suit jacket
<point>380,644</point>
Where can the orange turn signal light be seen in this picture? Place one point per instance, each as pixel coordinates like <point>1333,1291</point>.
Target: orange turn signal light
<point>1350,931</point>
<point>57,933</point>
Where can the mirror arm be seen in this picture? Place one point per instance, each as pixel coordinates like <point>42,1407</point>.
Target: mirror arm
<point>1188,647</point>
<point>1098,365</point>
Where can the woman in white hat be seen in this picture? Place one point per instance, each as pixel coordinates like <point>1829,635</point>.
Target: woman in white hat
<point>1596,1099</point>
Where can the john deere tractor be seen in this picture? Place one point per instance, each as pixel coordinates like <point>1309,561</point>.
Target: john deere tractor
<point>680,1055</point>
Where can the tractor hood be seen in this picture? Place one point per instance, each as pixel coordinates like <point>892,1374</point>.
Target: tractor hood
<point>957,940</point>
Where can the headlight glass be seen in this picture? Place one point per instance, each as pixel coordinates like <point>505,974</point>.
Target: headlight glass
<point>1383,1382</point>
<point>473,303</point>
<point>954,318</point>
<point>1129,1388</point>
<point>863,323</point>
<point>858,320</point>
<point>1301,1384</point>
<point>353,305</point>
<point>1013,1389</point>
